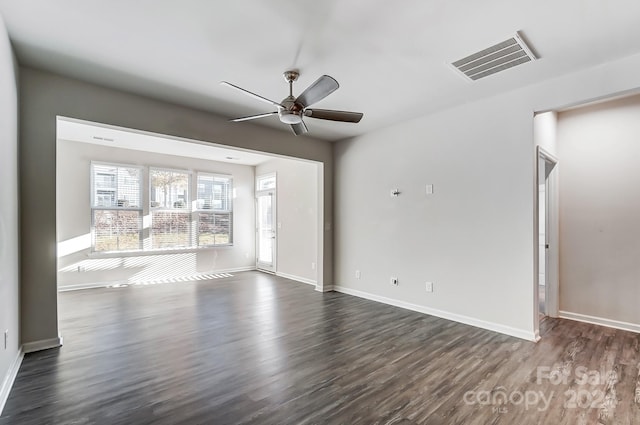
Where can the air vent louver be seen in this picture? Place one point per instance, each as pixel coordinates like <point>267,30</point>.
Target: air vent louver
<point>496,58</point>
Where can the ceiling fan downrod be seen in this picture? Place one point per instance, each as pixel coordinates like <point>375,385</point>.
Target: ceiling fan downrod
<point>290,77</point>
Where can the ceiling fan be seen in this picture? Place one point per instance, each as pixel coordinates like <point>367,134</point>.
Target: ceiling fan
<point>291,109</point>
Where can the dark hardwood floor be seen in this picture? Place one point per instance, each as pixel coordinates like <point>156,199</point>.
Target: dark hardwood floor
<point>258,349</point>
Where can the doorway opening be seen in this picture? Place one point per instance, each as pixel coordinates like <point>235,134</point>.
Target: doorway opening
<point>198,224</point>
<point>546,285</point>
<point>542,248</point>
<point>266,233</point>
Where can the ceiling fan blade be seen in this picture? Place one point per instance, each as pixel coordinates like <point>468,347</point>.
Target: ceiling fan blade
<point>299,128</point>
<point>253,117</point>
<point>248,93</point>
<point>317,91</point>
<point>329,114</point>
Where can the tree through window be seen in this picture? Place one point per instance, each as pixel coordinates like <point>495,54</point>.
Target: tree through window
<point>170,208</point>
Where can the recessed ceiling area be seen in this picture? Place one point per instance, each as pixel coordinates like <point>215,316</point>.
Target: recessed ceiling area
<point>101,134</point>
<point>391,59</point>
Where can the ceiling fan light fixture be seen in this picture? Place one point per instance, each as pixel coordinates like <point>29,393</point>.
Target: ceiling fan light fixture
<point>290,117</point>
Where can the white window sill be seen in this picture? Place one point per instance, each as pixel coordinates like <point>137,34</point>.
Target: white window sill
<point>147,252</point>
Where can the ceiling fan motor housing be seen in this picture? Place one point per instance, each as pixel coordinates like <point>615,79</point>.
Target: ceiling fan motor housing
<point>291,112</point>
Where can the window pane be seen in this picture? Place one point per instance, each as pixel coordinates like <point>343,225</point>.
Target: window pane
<point>268,182</point>
<point>214,228</point>
<point>169,189</point>
<point>214,193</point>
<point>116,230</point>
<point>115,186</point>
<point>129,192</point>
<point>170,229</point>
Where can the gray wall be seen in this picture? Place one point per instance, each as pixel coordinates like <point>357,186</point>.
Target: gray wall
<point>80,267</point>
<point>9,246</point>
<point>474,236</point>
<point>297,216</point>
<point>43,97</point>
<point>599,150</point>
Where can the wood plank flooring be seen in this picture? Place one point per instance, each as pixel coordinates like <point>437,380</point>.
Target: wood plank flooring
<point>258,349</point>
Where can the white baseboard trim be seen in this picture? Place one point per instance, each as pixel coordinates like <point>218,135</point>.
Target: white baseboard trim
<point>625,326</point>
<point>326,288</point>
<point>90,285</point>
<point>507,330</point>
<point>296,278</point>
<point>44,344</point>
<point>9,379</point>
<point>199,276</point>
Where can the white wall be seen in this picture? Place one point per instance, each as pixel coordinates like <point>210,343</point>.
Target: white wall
<point>471,237</point>
<point>599,150</point>
<point>297,216</point>
<point>545,131</point>
<point>74,220</point>
<point>9,242</point>
<point>43,97</point>
<point>474,236</point>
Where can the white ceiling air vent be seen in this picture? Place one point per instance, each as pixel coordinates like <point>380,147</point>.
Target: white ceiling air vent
<point>496,58</point>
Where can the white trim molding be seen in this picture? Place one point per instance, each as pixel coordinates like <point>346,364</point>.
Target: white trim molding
<point>625,326</point>
<point>496,327</point>
<point>296,278</point>
<point>325,288</point>
<point>9,379</point>
<point>43,344</point>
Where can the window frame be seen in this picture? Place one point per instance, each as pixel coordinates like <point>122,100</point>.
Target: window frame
<point>187,210</point>
<point>145,211</point>
<point>94,207</point>
<point>212,211</point>
<point>264,177</point>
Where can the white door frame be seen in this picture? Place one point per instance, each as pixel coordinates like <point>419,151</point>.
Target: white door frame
<point>272,192</point>
<point>552,283</point>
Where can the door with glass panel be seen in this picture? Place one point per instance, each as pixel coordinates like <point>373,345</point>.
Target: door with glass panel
<point>266,230</point>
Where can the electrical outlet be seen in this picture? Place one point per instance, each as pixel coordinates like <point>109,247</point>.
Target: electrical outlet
<point>357,274</point>
<point>429,189</point>
<point>394,281</point>
<point>429,286</point>
<point>313,266</point>
<point>6,338</point>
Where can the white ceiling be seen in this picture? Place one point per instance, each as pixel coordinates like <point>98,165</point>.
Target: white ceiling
<point>116,137</point>
<point>391,58</point>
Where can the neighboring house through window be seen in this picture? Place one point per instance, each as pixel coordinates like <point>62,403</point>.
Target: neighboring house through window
<point>176,220</point>
<point>214,216</point>
<point>116,207</point>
